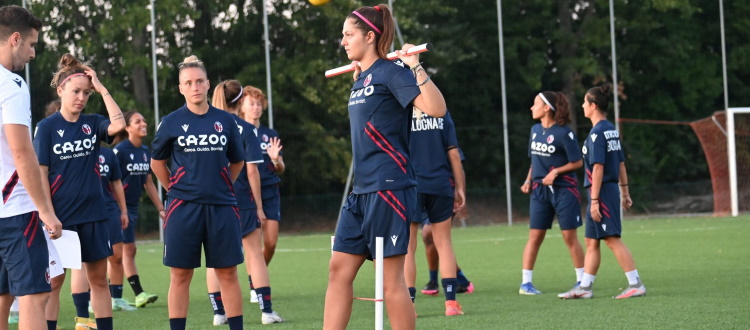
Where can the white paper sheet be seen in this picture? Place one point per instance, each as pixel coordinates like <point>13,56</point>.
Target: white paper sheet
<point>69,249</point>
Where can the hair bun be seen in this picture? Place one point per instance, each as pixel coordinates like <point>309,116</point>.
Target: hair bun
<point>606,89</point>
<point>68,61</point>
<point>192,59</point>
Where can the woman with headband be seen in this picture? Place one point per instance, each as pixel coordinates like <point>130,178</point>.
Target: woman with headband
<point>228,95</point>
<point>605,168</point>
<point>384,199</point>
<point>554,153</point>
<point>67,144</point>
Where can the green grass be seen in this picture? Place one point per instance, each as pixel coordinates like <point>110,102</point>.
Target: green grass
<point>695,270</point>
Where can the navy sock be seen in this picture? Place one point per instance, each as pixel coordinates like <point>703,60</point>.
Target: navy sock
<point>104,323</point>
<point>135,283</point>
<point>115,290</point>
<point>264,299</point>
<point>81,301</point>
<point>412,293</point>
<point>449,285</point>
<point>216,303</point>
<point>235,322</point>
<point>51,325</point>
<point>177,323</point>
<point>250,282</point>
<point>462,278</point>
<point>433,276</point>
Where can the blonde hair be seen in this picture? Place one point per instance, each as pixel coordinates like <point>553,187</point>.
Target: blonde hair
<point>226,92</point>
<point>67,66</point>
<point>191,61</point>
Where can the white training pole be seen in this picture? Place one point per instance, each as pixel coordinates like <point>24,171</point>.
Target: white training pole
<point>723,55</point>
<point>614,63</point>
<point>732,160</point>
<point>378,283</point>
<point>269,90</point>
<point>333,239</point>
<point>28,74</point>
<point>155,77</point>
<point>391,56</point>
<point>505,113</point>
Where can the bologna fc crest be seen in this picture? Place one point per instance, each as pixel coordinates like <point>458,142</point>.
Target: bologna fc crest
<point>264,138</point>
<point>550,139</point>
<point>218,127</point>
<point>101,159</point>
<point>86,129</point>
<point>368,80</point>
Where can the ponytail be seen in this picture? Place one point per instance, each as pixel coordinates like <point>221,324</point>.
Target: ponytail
<point>227,95</point>
<point>379,20</point>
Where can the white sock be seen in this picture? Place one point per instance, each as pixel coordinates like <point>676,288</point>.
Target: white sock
<point>632,276</point>
<point>527,274</point>
<point>579,274</point>
<point>587,280</point>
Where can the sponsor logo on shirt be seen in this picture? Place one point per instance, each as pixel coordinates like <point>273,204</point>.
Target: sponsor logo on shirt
<point>542,149</point>
<point>79,147</point>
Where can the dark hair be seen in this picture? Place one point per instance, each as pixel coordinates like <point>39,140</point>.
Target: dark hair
<point>381,17</point>
<point>560,103</point>
<point>52,107</point>
<point>600,96</point>
<point>226,92</point>
<point>68,65</point>
<point>123,134</point>
<point>191,61</point>
<point>17,19</point>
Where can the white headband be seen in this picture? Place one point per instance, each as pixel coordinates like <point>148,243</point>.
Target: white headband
<point>546,101</point>
<point>236,98</point>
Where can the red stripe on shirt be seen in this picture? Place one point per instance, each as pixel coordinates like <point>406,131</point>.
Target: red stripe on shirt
<point>9,186</point>
<point>56,184</point>
<point>386,150</point>
<point>386,142</point>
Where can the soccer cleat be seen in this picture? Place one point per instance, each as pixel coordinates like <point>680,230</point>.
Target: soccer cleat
<point>220,319</point>
<point>253,297</point>
<point>432,288</point>
<point>528,289</point>
<point>83,323</point>
<point>453,308</point>
<point>465,288</point>
<point>577,292</point>
<point>632,291</point>
<point>119,304</point>
<point>144,298</point>
<point>270,318</point>
<point>13,318</point>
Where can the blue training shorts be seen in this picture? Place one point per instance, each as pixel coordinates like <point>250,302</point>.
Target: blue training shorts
<point>115,226</point>
<point>436,208</point>
<point>384,214</point>
<point>94,237</point>
<point>609,207</point>
<point>24,259</point>
<point>546,201</point>
<point>128,234</point>
<point>249,221</point>
<point>189,226</point>
<point>271,202</point>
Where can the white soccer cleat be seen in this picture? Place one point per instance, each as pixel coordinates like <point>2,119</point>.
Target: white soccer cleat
<point>220,319</point>
<point>270,318</point>
<point>577,292</point>
<point>638,290</point>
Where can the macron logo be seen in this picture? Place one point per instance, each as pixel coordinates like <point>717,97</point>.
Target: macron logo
<point>17,81</point>
<point>61,132</point>
<point>185,127</point>
<point>571,135</point>
<point>533,136</point>
<point>593,137</point>
<point>604,226</point>
<point>394,238</point>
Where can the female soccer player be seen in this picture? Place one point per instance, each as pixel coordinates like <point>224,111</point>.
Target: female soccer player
<point>605,167</point>
<point>228,96</point>
<point>67,145</point>
<point>384,199</point>
<point>441,192</point>
<point>553,185</point>
<point>134,159</point>
<point>207,155</point>
<point>252,107</point>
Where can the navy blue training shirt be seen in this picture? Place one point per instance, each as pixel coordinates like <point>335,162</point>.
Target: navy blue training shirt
<point>431,139</point>
<point>267,170</point>
<point>380,118</point>
<point>71,152</point>
<point>201,148</point>
<point>135,165</point>
<point>603,146</point>
<point>253,155</point>
<point>550,148</point>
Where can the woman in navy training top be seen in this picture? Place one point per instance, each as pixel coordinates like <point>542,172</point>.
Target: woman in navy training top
<point>206,151</point>
<point>554,153</point>
<point>383,201</point>
<point>67,144</point>
<point>134,159</point>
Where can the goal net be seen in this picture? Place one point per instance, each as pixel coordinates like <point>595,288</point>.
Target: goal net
<point>714,136</point>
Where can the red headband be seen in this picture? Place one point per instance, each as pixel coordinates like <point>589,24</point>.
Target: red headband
<point>68,78</point>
